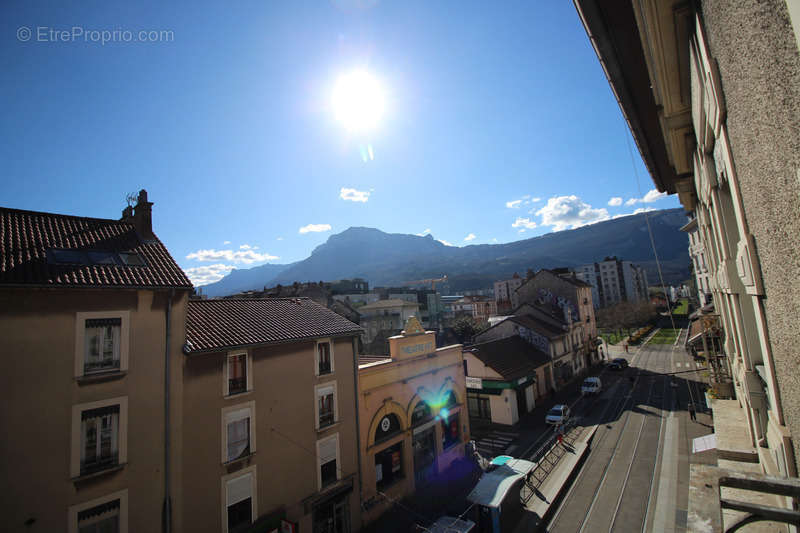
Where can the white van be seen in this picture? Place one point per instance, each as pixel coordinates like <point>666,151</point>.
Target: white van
<point>591,385</point>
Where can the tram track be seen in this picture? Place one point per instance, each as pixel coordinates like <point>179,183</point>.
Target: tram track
<point>587,521</point>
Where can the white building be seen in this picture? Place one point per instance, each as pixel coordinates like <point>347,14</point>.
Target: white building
<point>697,252</point>
<point>614,281</point>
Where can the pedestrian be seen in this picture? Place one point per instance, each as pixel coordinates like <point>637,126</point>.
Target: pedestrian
<point>692,413</point>
<point>560,438</point>
<point>626,347</point>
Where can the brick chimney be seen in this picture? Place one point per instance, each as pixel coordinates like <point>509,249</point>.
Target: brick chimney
<point>143,216</point>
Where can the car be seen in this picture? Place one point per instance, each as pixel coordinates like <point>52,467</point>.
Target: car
<point>591,385</point>
<point>558,415</point>
<point>620,363</point>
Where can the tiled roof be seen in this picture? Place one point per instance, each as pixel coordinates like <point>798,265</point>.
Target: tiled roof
<point>26,237</point>
<point>218,324</point>
<point>511,357</point>
<point>383,304</point>
<point>539,326</point>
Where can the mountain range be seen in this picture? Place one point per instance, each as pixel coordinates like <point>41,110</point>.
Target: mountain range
<point>389,259</point>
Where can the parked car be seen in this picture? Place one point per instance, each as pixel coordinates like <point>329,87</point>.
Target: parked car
<point>591,385</point>
<point>620,363</point>
<point>558,415</point>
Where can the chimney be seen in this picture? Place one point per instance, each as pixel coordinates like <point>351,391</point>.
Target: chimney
<point>127,214</point>
<point>143,216</point>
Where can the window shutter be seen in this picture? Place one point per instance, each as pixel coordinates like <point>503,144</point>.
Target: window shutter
<point>327,450</point>
<point>239,489</point>
<point>237,415</point>
<point>324,391</point>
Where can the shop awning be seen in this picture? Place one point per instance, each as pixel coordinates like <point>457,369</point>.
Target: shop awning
<point>493,486</point>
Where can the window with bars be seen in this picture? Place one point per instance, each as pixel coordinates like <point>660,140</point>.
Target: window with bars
<point>102,345</point>
<point>326,403</point>
<point>237,373</point>
<point>99,439</point>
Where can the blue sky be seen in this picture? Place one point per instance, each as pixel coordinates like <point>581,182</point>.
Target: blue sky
<point>498,125</point>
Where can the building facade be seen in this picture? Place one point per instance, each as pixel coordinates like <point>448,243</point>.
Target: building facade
<point>697,254</point>
<point>388,316</point>
<point>412,416</point>
<point>270,433</point>
<point>505,293</point>
<point>614,281</point>
<point>93,311</point>
<point>716,122</point>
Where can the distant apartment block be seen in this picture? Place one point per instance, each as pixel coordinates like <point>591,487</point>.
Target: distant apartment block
<point>386,316</point>
<point>505,293</point>
<point>614,281</point>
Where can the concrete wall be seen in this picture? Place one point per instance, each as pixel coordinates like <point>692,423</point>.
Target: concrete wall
<point>761,83</point>
<point>285,429</point>
<point>38,328</point>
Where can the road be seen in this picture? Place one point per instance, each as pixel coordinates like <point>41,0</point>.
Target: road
<point>635,477</point>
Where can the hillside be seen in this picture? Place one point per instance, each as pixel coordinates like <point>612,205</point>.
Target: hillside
<point>389,259</point>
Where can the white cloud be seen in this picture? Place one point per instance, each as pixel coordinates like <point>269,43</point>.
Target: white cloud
<point>315,228</point>
<point>652,196</point>
<point>524,200</point>
<point>427,230</point>
<point>537,199</point>
<point>643,210</point>
<point>445,242</point>
<point>226,242</point>
<point>245,247</point>
<point>470,237</point>
<point>280,238</point>
<point>615,201</point>
<point>206,274</point>
<point>353,195</point>
<point>523,223</point>
<point>514,204</point>
<point>563,212</point>
<point>238,256</point>
<point>521,231</point>
<point>494,239</point>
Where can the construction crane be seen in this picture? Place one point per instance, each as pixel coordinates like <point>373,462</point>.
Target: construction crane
<point>432,281</point>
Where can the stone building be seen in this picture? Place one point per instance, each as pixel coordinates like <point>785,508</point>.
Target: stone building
<point>711,93</point>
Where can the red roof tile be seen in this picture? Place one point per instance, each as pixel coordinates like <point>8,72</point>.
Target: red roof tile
<point>26,237</point>
<point>226,323</point>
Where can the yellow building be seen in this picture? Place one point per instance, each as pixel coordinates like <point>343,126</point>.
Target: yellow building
<point>412,419</point>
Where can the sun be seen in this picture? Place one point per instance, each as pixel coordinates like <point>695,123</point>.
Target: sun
<point>358,101</point>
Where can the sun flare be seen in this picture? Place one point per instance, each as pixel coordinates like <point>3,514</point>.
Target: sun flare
<point>358,101</point>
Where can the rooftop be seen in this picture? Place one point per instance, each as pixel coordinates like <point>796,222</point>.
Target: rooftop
<point>511,357</point>
<point>213,325</point>
<point>385,304</point>
<point>47,249</point>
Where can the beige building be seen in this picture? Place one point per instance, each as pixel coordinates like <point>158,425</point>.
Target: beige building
<point>505,378</point>
<point>412,416</point>
<point>92,311</point>
<point>505,293</point>
<point>268,417</point>
<point>561,295</point>
<point>712,98</point>
<point>386,316</point>
<point>697,253</point>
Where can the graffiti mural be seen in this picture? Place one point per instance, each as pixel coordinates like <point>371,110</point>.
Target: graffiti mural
<point>547,297</point>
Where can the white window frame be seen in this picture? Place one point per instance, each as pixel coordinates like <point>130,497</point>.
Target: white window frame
<point>317,389</point>
<point>80,339</point>
<point>226,373</point>
<point>122,496</point>
<point>227,415</point>
<point>320,442</point>
<point>316,357</point>
<point>122,435</point>
<point>253,494</point>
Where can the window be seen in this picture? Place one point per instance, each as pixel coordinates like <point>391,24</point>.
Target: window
<point>450,431</point>
<point>238,372</point>
<point>389,466</point>
<point>326,405</point>
<point>238,432</point>
<point>101,343</point>
<point>108,514</point>
<point>328,460</point>
<point>99,436</point>
<point>239,496</point>
<point>324,358</point>
<point>422,412</point>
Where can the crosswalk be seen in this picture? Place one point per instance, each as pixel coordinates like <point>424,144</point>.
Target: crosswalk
<point>694,365</point>
<point>496,443</point>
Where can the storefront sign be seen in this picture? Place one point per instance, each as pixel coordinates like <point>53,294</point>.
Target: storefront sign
<point>418,348</point>
<point>474,383</point>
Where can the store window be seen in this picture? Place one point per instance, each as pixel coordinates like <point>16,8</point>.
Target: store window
<point>421,413</point>
<point>450,431</point>
<point>389,466</point>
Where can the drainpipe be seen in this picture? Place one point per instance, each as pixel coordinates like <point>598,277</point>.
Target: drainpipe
<point>167,498</point>
<point>358,425</point>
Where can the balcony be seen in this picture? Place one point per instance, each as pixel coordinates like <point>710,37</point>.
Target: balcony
<point>237,385</point>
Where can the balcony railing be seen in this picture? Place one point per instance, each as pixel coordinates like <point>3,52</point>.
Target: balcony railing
<point>325,419</point>
<point>237,385</point>
<point>99,463</point>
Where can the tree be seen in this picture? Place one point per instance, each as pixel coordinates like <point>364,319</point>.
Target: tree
<point>465,328</point>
